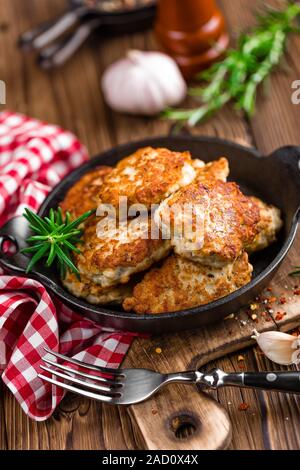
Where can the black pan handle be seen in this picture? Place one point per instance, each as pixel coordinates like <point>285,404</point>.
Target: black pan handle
<point>49,31</point>
<point>58,53</point>
<point>290,155</point>
<point>16,231</point>
<point>279,381</point>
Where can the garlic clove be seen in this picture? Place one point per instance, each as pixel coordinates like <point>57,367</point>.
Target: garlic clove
<point>296,354</point>
<point>170,85</point>
<point>279,347</point>
<point>143,83</point>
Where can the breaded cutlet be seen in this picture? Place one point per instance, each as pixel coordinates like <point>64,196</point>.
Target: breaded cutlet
<point>148,176</point>
<point>182,284</point>
<point>210,222</point>
<point>83,195</point>
<point>110,257</point>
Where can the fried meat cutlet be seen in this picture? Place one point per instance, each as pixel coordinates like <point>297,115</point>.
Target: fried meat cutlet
<point>209,222</point>
<point>269,225</point>
<point>181,284</point>
<point>83,195</point>
<point>109,257</point>
<point>218,169</point>
<point>93,293</point>
<point>148,176</point>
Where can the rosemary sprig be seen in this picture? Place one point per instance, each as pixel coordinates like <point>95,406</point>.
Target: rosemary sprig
<point>243,69</point>
<point>296,271</point>
<point>55,238</point>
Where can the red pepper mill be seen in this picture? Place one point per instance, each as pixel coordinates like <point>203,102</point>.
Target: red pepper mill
<point>193,32</point>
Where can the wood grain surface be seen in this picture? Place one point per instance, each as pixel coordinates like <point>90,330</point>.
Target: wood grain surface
<point>71,97</point>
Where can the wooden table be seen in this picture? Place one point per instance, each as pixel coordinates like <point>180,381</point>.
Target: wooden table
<point>72,98</point>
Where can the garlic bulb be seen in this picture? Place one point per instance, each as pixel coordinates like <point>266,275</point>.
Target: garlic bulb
<point>280,348</point>
<point>143,83</point>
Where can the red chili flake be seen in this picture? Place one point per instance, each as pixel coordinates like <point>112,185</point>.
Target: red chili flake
<point>263,314</point>
<point>272,299</point>
<point>280,315</point>
<point>297,292</point>
<point>269,289</point>
<point>243,406</point>
<point>154,412</point>
<point>282,300</point>
<point>269,319</point>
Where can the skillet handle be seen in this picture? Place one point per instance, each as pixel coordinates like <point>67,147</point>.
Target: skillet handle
<point>290,157</point>
<point>16,230</point>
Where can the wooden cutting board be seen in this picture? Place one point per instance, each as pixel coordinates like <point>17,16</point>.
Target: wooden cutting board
<point>183,417</point>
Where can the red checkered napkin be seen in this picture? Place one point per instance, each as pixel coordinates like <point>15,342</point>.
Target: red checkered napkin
<point>34,156</point>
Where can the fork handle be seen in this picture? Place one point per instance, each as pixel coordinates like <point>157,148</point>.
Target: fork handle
<point>279,381</point>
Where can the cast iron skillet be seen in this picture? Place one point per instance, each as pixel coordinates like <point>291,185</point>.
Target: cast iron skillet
<point>276,179</point>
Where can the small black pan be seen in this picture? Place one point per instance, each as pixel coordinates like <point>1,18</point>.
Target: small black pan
<point>275,179</point>
<point>86,16</point>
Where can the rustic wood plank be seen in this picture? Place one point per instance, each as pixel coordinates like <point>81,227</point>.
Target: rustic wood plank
<point>282,411</point>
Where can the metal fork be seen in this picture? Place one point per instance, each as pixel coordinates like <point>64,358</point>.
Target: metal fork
<point>129,386</point>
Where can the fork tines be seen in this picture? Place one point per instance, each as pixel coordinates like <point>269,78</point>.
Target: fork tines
<point>105,383</point>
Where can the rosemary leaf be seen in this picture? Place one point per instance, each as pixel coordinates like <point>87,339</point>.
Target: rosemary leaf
<point>35,220</point>
<point>72,247</point>
<point>79,221</point>
<point>36,238</point>
<point>40,253</point>
<point>32,249</point>
<point>50,222</point>
<point>64,258</point>
<point>52,254</point>
<point>59,218</point>
<point>52,215</point>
